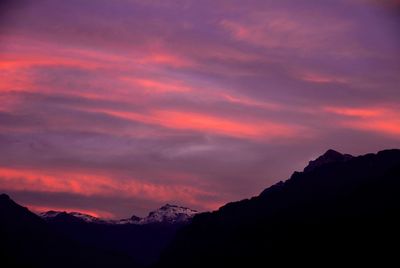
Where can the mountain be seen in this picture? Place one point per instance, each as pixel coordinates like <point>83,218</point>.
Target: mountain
<point>331,156</point>
<point>28,241</point>
<point>142,239</point>
<point>167,214</point>
<point>341,210</point>
<point>69,216</point>
<point>132,220</point>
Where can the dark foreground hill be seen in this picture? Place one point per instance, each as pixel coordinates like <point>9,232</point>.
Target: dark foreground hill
<point>143,243</point>
<point>28,241</point>
<point>341,210</point>
<point>60,239</point>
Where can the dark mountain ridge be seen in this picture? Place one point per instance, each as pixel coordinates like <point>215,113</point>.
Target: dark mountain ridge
<point>28,241</point>
<point>142,239</point>
<point>143,243</point>
<point>330,156</point>
<point>167,214</point>
<point>340,210</point>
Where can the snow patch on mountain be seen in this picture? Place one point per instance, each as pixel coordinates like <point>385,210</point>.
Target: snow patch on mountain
<point>85,217</point>
<point>170,214</point>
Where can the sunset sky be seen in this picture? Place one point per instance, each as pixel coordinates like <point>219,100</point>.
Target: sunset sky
<point>116,107</point>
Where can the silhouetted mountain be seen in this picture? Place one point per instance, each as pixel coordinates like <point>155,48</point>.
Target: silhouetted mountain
<point>84,240</point>
<point>167,214</point>
<point>141,238</point>
<point>341,210</point>
<point>28,241</point>
<point>330,156</point>
<point>69,216</point>
<point>142,242</point>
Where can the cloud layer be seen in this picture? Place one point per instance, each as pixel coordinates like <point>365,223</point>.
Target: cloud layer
<point>116,107</point>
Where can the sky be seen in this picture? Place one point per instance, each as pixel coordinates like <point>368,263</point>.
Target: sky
<point>117,107</point>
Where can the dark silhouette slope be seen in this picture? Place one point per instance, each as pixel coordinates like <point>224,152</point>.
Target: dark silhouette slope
<point>28,241</point>
<point>338,212</point>
<point>143,243</point>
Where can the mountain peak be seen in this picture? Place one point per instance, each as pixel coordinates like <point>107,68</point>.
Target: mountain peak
<point>330,156</point>
<point>169,214</point>
<point>165,214</point>
<point>331,152</point>
<point>51,215</point>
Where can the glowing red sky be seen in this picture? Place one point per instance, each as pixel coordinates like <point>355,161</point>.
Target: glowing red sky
<point>117,107</point>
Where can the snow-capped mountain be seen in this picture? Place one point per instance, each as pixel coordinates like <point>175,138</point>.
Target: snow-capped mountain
<point>49,214</point>
<point>166,214</point>
<point>85,217</point>
<point>169,214</point>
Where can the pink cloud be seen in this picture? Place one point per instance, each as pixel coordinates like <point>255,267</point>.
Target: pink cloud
<point>223,126</point>
<point>261,130</point>
<point>371,119</point>
<point>285,29</point>
<point>153,86</point>
<point>99,185</point>
<point>166,59</point>
<point>242,100</point>
<point>320,78</point>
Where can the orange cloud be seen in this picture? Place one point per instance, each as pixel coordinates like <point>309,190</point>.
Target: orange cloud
<point>222,126</point>
<point>381,125</point>
<point>91,185</point>
<point>165,58</point>
<point>11,61</point>
<point>14,68</point>
<point>211,124</point>
<point>380,120</point>
<point>320,78</point>
<point>251,102</point>
<point>154,86</point>
<point>357,112</point>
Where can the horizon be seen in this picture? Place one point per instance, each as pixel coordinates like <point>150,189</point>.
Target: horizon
<point>38,210</point>
<point>90,213</point>
<point>115,108</point>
